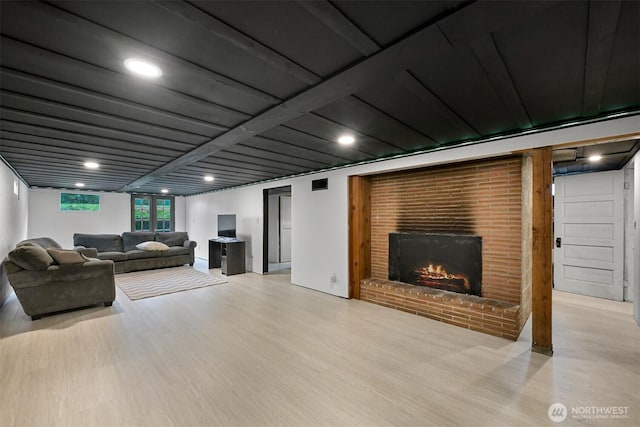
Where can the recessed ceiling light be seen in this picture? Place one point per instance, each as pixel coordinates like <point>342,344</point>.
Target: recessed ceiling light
<point>208,178</point>
<point>346,139</point>
<point>79,184</point>
<point>91,165</point>
<point>142,68</point>
<point>164,190</point>
<point>595,158</point>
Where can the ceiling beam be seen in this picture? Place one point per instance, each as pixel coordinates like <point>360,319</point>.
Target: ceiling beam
<point>104,35</point>
<point>110,165</point>
<point>336,21</point>
<point>82,139</point>
<point>62,172</point>
<point>20,55</point>
<point>252,159</point>
<point>17,145</point>
<point>485,17</point>
<point>60,110</point>
<point>63,168</point>
<point>375,144</point>
<point>137,151</point>
<point>51,180</point>
<point>115,164</point>
<point>45,121</point>
<point>36,85</point>
<point>487,54</point>
<point>392,122</point>
<point>186,182</point>
<point>282,146</point>
<point>196,17</point>
<point>291,135</point>
<point>330,16</point>
<point>229,170</point>
<point>261,153</point>
<point>603,23</point>
<point>382,66</point>
<point>421,91</point>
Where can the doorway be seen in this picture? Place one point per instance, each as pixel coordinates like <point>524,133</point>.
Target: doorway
<point>589,234</point>
<point>594,219</point>
<point>277,230</point>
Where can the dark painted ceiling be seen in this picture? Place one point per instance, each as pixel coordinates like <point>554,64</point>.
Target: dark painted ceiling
<point>252,91</point>
<point>613,156</point>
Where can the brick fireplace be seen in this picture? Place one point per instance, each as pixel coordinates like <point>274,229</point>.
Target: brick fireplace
<point>488,199</point>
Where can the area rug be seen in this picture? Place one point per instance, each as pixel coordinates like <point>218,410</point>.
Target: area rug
<point>151,283</point>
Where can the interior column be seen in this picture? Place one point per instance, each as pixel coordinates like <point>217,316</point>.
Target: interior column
<point>542,251</point>
<point>359,233</point>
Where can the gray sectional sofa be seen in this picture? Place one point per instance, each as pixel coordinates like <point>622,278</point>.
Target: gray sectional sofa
<point>44,285</point>
<point>127,257</point>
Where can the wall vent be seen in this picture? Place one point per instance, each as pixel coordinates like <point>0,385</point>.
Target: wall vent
<point>320,184</point>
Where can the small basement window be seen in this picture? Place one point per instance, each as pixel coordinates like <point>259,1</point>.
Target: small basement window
<point>79,202</point>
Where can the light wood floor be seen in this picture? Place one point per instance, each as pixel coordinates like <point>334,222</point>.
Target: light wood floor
<point>260,351</point>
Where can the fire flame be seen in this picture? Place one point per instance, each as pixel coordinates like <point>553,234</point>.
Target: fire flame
<point>437,270</point>
<point>432,274</point>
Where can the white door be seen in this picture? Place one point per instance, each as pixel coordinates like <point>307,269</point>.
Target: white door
<point>588,220</point>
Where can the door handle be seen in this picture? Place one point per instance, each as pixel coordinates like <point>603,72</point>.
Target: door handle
<point>558,242</point>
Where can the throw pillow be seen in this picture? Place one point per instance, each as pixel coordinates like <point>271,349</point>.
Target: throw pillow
<point>31,257</point>
<point>152,246</point>
<point>61,256</point>
<point>172,238</point>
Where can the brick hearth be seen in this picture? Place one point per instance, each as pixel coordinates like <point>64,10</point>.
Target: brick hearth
<point>486,315</point>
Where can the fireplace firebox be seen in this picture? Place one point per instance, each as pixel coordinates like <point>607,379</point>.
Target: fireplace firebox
<point>451,262</point>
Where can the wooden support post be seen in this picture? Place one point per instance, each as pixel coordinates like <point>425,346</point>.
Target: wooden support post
<point>542,251</point>
<point>359,233</point>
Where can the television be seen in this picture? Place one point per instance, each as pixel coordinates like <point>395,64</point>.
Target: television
<point>227,226</point>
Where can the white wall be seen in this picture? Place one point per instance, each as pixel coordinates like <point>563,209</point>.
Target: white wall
<point>47,220</point>
<point>245,203</point>
<point>319,238</point>
<point>180,220</point>
<point>114,217</point>
<point>13,219</point>
<point>320,218</point>
<point>636,232</point>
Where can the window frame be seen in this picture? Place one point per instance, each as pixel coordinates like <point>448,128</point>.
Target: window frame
<point>153,214</point>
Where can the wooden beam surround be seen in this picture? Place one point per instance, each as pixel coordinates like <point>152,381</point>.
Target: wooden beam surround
<point>359,233</point>
<point>542,221</point>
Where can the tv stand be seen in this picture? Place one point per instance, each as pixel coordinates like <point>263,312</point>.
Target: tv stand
<point>227,254</point>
